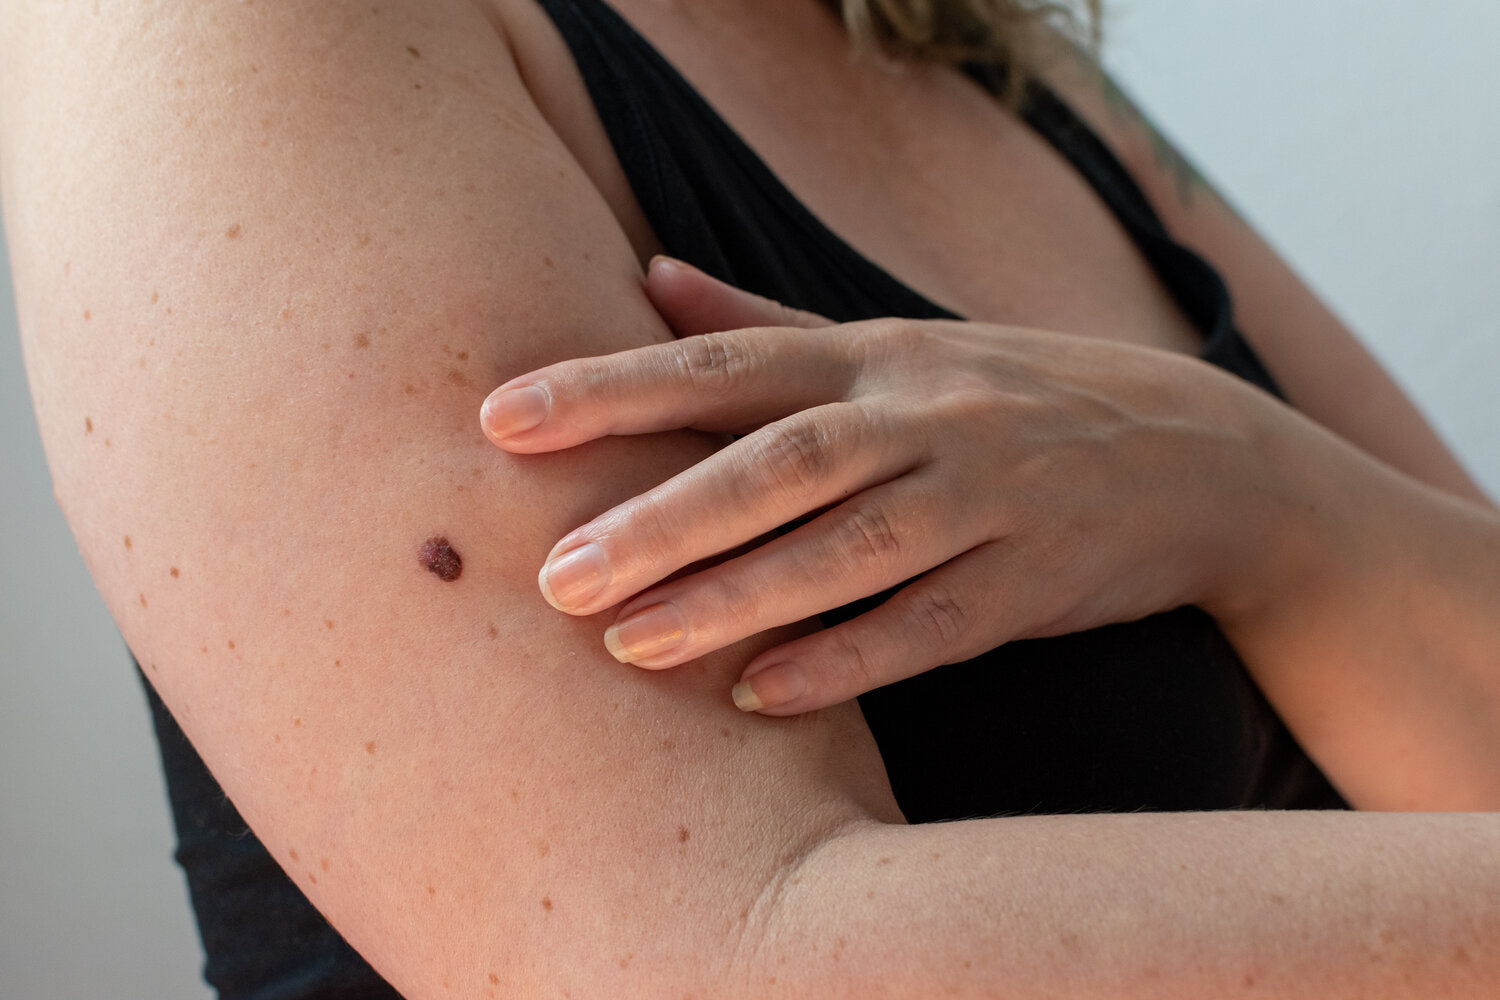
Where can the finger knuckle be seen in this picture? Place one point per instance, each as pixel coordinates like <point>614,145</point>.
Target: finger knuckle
<point>854,670</point>
<point>897,340</point>
<point>713,362</point>
<point>794,455</point>
<point>941,616</point>
<point>868,534</point>
<point>648,532</point>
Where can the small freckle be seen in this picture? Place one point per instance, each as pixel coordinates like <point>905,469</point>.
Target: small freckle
<point>231,643</point>
<point>543,848</point>
<point>87,315</point>
<point>494,979</point>
<point>155,297</point>
<point>276,738</point>
<point>128,544</point>
<point>297,722</point>
<point>67,268</point>
<point>362,341</point>
<point>463,355</point>
<point>431,891</point>
<point>153,668</point>
<point>328,623</point>
<point>413,52</point>
<point>143,600</point>
<point>440,559</point>
<point>205,649</point>
<point>683,835</point>
<point>294,855</point>
<point>547,903</point>
<point>312,878</point>
<point>233,232</point>
<point>883,862</point>
<point>370,747</point>
<point>323,863</point>
<point>88,425</point>
<point>416,86</point>
<point>108,443</point>
<point>725,733</point>
<point>547,261</point>
<point>175,572</point>
<point>668,745</point>
<point>494,632</point>
<point>338,663</point>
<point>457,378</point>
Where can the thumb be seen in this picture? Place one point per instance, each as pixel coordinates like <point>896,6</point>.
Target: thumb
<point>694,303</point>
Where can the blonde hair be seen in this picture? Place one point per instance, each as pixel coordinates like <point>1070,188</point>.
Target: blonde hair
<point>956,31</point>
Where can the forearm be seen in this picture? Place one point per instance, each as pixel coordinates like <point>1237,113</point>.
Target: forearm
<point>1370,615</point>
<point>1290,905</point>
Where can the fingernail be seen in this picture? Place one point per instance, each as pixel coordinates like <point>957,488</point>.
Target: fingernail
<point>511,411</point>
<point>645,634</point>
<point>770,687</point>
<point>571,580</point>
<point>662,260</point>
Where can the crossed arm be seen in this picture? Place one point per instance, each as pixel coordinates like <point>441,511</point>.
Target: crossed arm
<point>268,262</point>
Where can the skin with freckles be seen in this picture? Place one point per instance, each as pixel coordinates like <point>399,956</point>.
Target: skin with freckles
<point>482,211</point>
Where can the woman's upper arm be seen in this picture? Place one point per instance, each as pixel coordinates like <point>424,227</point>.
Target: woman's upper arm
<point>1323,368</point>
<point>269,260</point>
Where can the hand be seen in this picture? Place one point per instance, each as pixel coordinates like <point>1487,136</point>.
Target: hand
<point>1015,483</point>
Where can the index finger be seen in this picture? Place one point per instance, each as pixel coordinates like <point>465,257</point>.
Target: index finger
<point>726,382</point>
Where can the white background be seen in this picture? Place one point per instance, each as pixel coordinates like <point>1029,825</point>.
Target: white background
<point>1362,137</point>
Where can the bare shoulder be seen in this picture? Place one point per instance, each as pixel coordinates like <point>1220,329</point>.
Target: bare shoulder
<point>269,260</point>
<point>1324,369</point>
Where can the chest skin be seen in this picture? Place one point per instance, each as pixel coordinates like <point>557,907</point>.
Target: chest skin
<point>914,166</point>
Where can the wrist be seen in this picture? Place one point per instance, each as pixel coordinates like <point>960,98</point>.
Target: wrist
<point>1302,516</point>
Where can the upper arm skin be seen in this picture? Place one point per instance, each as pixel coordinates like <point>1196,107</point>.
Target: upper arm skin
<point>269,260</point>
<point>1324,370</point>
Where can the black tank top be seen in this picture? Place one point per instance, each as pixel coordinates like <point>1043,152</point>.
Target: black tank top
<point>1155,714</point>
<point>1152,715</point>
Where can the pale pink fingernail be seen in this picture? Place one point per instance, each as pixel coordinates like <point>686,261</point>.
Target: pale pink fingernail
<point>770,687</point>
<point>511,411</point>
<point>662,260</point>
<point>571,580</point>
<point>656,630</point>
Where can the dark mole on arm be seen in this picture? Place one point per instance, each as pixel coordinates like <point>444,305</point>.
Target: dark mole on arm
<point>439,558</point>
